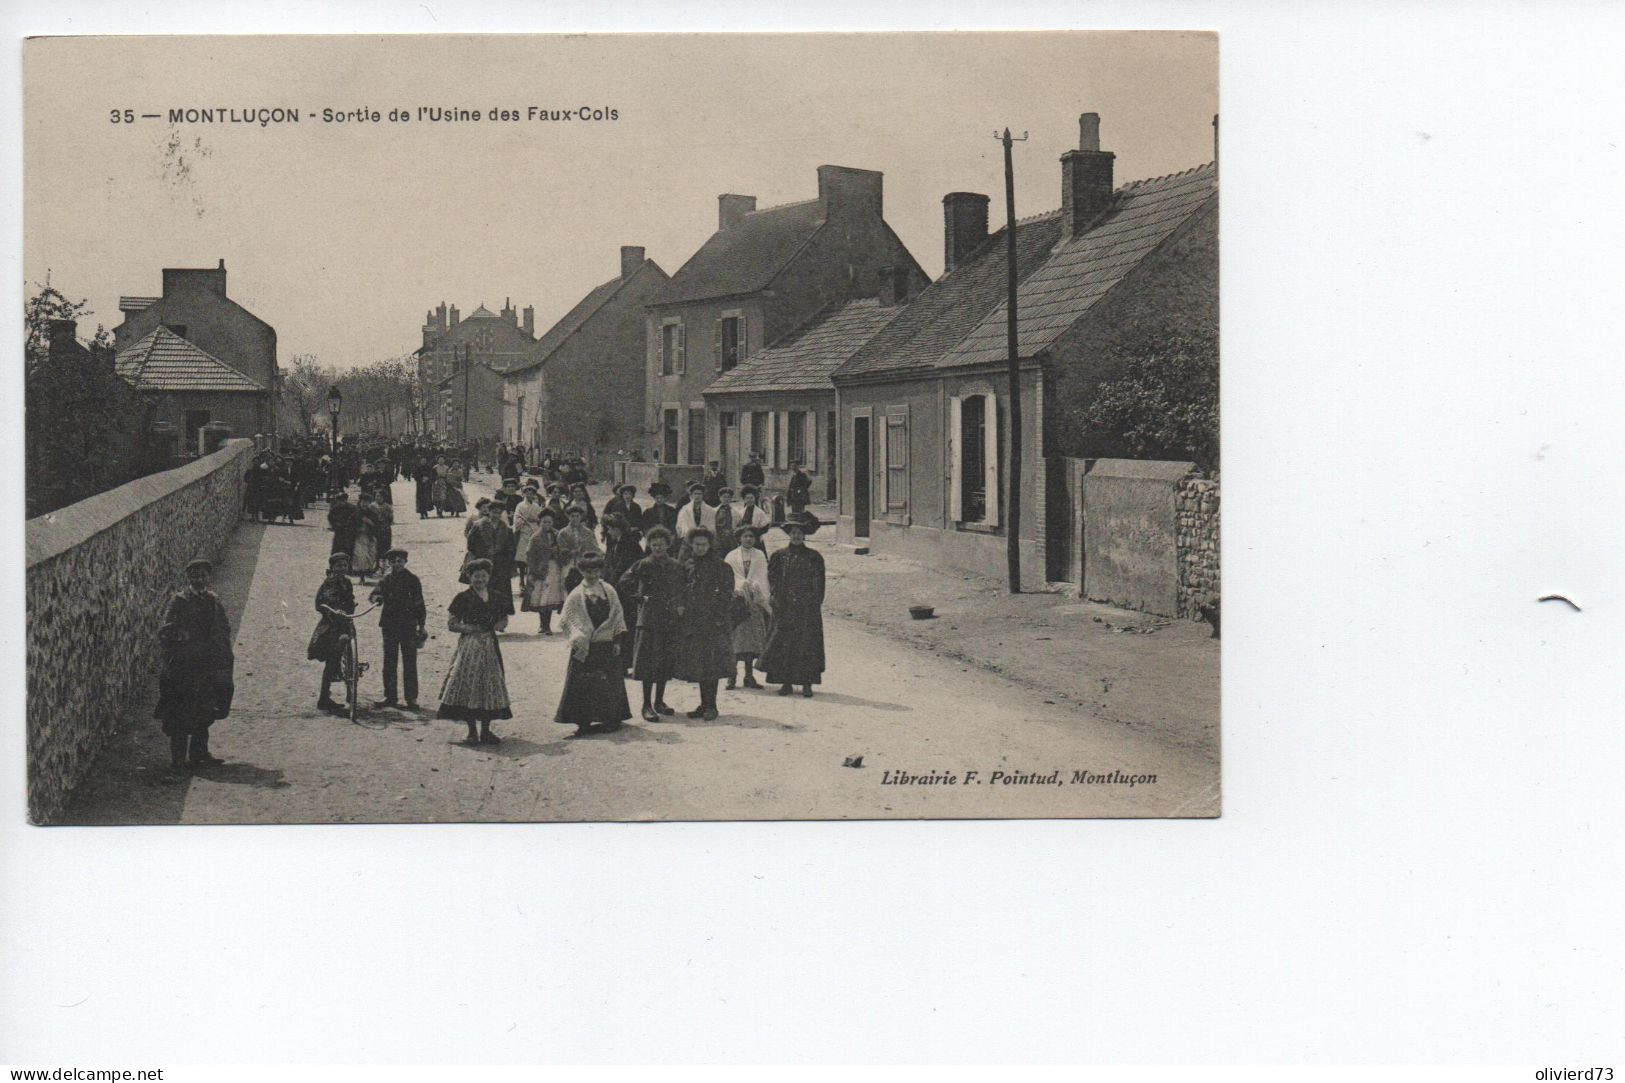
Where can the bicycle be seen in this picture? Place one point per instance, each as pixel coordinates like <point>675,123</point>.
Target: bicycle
<point>350,665</point>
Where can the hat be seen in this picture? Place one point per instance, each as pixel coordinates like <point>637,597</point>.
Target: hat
<point>696,484</point>
<point>393,553</point>
<point>334,558</point>
<point>749,490</point>
<point>626,486</point>
<point>659,488</point>
<point>806,520</point>
<point>200,562</point>
<point>479,564</point>
<point>576,508</point>
<point>728,489</point>
<point>530,483</point>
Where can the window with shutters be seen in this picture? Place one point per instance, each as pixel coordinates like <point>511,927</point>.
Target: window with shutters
<point>673,348</point>
<point>696,436</point>
<point>670,433</point>
<point>896,462</point>
<point>796,438</point>
<point>976,459</point>
<point>730,343</point>
<point>761,427</point>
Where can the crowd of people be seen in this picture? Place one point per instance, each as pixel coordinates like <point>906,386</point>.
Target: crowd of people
<point>651,591</point>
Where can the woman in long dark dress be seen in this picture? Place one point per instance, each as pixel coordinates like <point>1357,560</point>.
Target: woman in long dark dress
<point>594,683</point>
<point>795,642</point>
<point>423,477</point>
<point>476,688</point>
<point>656,582</point>
<point>621,551</point>
<point>195,685</point>
<point>705,632</point>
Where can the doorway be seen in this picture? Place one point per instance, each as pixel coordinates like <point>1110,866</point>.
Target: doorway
<point>860,476</point>
<point>730,444</point>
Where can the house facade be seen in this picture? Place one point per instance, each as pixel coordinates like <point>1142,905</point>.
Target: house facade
<point>202,356</point>
<point>580,389</point>
<point>923,408</point>
<point>189,388</point>
<point>461,361</point>
<point>780,403</point>
<point>762,274</point>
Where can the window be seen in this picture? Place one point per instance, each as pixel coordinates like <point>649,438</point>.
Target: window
<point>195,420</point>
<point>728,420</point>
<point>672,349</point>
<point>976,459</point>
<point>696,436</point>
<point>761,426</point>
<point>670,432</point>
<point>896,462</point>
<point>730,342</point>
<point>797,437</point>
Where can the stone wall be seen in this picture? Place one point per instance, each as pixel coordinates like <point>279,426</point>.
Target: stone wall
<point>1197,507</point>
<point>99,573</point>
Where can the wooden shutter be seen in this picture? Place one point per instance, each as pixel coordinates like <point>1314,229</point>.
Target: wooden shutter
<point>716,352</point>
<point>682,349</point>
<point>990,458</point>
<point>743,341</point>
<point>881,445</point>
<point>956,464</point>
<point>745,417</point>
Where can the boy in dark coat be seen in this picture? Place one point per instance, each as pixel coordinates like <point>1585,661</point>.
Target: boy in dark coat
<point>660,513</point>
<point>400,595</point>
<point>194,686</point>
<point>705,633</point>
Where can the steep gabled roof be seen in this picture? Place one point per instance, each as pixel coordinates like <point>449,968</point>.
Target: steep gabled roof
<point>135,304</point>
<point>483,313</point>
<point>1080,271</point>
<point>804,359</point>
<point>951,307</point>
<point>575,319</point>
<point>744,257</point>
<point>164,361</point>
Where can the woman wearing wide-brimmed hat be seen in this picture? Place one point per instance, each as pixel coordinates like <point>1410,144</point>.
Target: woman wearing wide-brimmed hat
<point>795,642</point>
<point>476,688</point>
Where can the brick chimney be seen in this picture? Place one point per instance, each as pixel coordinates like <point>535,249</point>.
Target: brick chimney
<point>508,312</point>
<point>964,226</point>
<point>893,286</point>
<point>843,188</point>
<point>632,258</point>
<point>1086,179</point>
<point>179,280</point>
<point>529,323</point>
<point>731,210</point>
<point>62,340</point>
<point>454,316</point>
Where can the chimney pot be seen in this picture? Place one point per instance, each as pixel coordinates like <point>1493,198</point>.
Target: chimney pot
<point>964,226</point>
<point>731,209</point>
<point>1089,131</point>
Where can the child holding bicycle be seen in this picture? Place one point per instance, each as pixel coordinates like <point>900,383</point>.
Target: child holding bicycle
<point>335,601</point>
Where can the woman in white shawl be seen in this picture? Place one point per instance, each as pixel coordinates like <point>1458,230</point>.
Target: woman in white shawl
<point>752,599</point>
<point>594,684</point>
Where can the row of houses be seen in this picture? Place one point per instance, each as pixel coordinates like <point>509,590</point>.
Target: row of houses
<point>809,333</point>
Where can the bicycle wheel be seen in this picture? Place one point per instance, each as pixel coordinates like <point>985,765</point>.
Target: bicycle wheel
<point>352,676</point>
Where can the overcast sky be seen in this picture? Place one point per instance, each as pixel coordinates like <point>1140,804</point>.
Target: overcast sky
<point>341,236</point>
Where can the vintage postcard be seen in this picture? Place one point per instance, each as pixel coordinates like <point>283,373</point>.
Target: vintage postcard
<point>622,427</point>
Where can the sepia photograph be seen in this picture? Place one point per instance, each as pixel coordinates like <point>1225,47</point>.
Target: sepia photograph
<point>622,427</point>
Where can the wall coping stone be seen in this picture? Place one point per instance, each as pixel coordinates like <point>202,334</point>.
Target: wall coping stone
<point>54,533</point>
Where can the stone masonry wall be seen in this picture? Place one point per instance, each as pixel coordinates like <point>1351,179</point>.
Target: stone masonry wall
<point>1196,504</point>
<point>99,574</point>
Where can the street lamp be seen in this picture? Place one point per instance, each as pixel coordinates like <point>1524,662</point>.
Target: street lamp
<point>335,400</point>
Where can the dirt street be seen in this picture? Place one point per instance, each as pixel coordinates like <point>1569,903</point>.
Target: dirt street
<point>906,705</point>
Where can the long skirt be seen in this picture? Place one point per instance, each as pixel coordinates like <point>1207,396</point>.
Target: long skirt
<point>364,557</point>
<point>704,656</point>
<point>545,589</point>
<point>437,493</point>
<point>594,690</point>
<point>476,688</point>
<point>654,653</point>
<point>425,497</point>
<point>795,647</point>
<point>454,502</point>
<point>750,634</point>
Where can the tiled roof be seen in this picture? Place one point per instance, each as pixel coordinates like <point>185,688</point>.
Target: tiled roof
<point>163,361</point>
<point>135,304</point>
<point>572,321</point>
<point>483,313</point>
<point>960,318</point>
<point>745,257</point>
<point>951,307</point>
<point>1081,271</point>
<point>804,359</point>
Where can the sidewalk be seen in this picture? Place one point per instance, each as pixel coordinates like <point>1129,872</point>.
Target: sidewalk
<point>1157,675</point>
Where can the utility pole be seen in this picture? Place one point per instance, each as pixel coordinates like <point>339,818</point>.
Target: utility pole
<point>468,358</point>
<point>1012,519</point>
